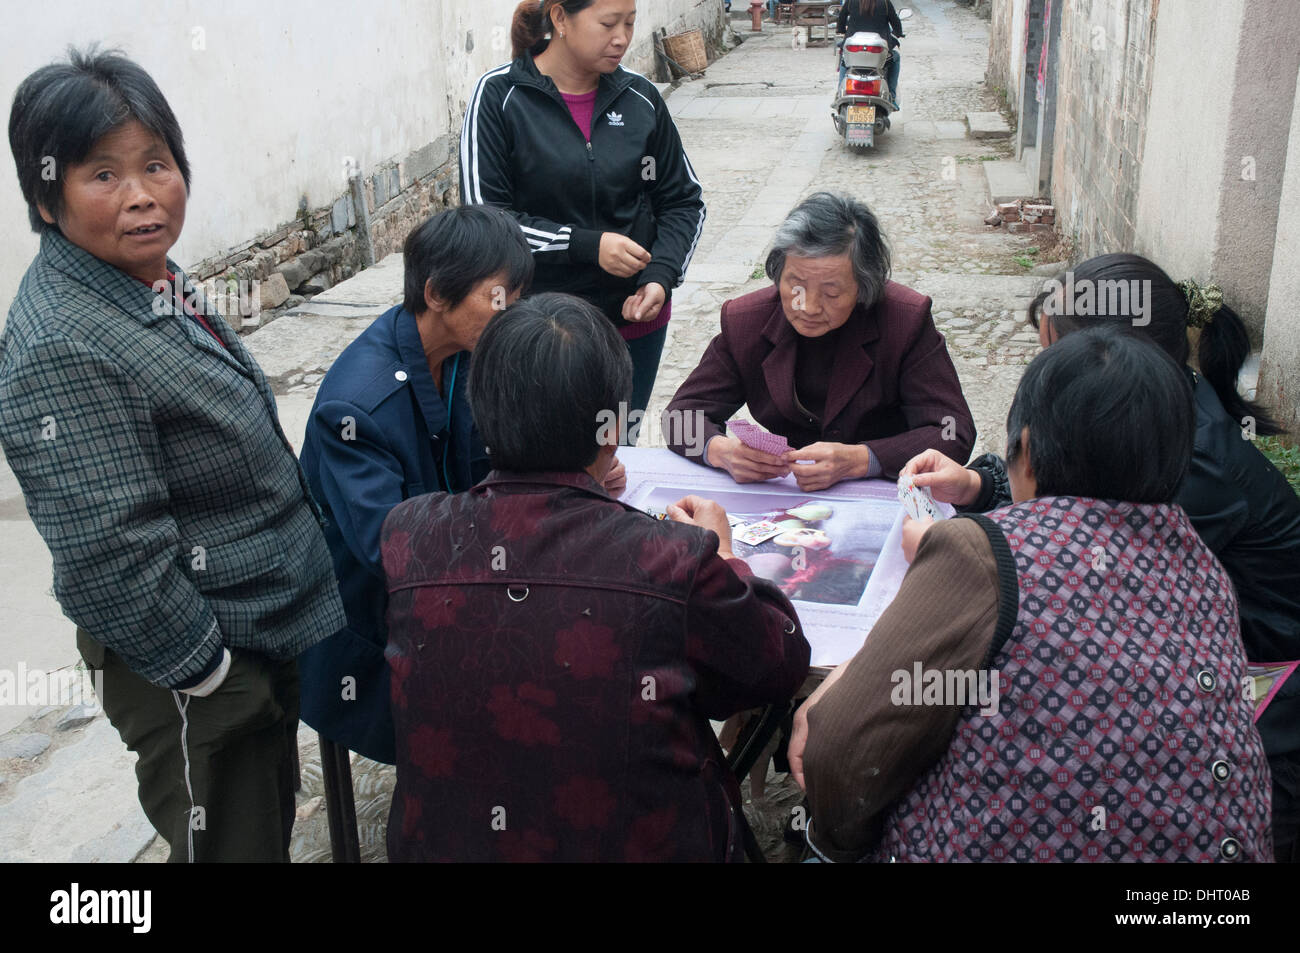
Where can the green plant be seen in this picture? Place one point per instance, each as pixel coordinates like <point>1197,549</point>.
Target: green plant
<point>758,272</point>
<point>1024,261</point>
<point>1286,459</point>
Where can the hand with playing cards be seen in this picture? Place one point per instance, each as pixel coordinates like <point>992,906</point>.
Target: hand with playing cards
<point>745,464</point>
<point>945,478</point>
<point>705,514</point>
<point>820,465</point>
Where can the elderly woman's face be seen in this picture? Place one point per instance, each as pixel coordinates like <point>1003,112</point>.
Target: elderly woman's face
<point>125,204</point>
<point>470,318</point>
<point>818,294</point>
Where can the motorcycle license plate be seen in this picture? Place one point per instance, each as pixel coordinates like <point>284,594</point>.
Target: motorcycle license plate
<point>861,114</point>
<point>857,134</point>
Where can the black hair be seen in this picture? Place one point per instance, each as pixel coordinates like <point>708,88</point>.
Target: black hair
<point>828,225</point>
<point>61,110</point>
<point>460,247</point>
<point>544,375</point>
<point>1224,343</point>
<point>533,21</point>
<point>1110,416</point>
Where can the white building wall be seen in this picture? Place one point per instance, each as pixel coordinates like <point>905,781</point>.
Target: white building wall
<point>273,97</point>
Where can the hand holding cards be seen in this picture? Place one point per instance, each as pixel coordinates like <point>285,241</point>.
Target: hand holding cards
<point>756,438</point>
<point>917,501</point>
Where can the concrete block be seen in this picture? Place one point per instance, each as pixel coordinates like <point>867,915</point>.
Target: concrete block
<point>341,214</point>
<point>426,160</point>
<point>987,126</point>
<point>1007,181</point>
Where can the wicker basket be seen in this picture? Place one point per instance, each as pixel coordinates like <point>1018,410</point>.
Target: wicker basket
<point>688,50</point>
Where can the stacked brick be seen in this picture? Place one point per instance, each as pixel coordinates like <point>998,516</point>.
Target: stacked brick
<point>1024,216</point>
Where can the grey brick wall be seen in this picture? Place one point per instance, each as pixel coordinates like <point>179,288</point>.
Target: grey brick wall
<point>1107,48</point>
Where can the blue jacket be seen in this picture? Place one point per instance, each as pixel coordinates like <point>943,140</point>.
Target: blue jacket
<point>380,433</point>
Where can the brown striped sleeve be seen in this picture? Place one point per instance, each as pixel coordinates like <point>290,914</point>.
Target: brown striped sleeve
<point>864,750</point>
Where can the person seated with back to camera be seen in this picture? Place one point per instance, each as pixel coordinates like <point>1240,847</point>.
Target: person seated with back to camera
<point>1239,503</point>
<point>556,655</point>
<point>1080,647</point>
<point>842,362</point>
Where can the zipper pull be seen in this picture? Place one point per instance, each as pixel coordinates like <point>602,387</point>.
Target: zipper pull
<point>590,155</point>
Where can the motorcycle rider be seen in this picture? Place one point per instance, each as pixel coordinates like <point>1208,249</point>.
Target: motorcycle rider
<point>873,16</point>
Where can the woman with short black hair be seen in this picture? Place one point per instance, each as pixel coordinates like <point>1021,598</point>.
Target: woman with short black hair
<point>393,420</point>
<point>556,655</point>
<point>1074,659</point>
<point>1240,504</point>
<point>186,545</point>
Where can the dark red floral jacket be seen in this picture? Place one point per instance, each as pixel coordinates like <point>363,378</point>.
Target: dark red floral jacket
<point>556,657</point>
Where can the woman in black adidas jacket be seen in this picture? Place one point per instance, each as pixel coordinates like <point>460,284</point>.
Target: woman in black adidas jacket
<point>613,217</point>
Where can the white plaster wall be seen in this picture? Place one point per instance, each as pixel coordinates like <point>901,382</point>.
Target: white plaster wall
<point>1184,151</point>
<point>1279,384</point>
<point>282,92</point>
<point>1017,72</point>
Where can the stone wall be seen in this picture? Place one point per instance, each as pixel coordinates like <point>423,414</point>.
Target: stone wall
<point>325,246</point>
<point>1104,69</point>
<point>998,74</point>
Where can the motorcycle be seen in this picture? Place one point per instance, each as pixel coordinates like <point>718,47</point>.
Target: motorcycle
<point>862,98</point>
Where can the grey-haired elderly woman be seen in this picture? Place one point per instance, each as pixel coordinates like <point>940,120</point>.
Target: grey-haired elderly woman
<point>842,362</point>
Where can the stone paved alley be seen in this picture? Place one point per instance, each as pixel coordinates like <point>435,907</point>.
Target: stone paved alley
<point>758,129</point>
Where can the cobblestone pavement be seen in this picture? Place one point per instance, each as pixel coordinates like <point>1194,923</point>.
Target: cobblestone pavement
<point>758,130</point>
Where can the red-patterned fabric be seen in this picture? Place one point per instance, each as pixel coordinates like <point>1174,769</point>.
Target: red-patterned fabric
<point>1121,689</point>
<point>556,657</point>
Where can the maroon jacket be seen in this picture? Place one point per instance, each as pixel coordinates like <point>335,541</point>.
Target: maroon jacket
<point>892,386</point>
<point>556,657</point>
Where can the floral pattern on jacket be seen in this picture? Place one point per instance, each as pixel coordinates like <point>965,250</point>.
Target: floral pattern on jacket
<point>556,657</point>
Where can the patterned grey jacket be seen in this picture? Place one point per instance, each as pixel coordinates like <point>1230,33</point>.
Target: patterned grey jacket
<point>153,464</point>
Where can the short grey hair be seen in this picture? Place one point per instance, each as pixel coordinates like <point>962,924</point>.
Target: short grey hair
<point>825,225</point>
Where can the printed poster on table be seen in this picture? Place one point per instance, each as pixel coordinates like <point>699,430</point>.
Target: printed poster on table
<point>834,553</point>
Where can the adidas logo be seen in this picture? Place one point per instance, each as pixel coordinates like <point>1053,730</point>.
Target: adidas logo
<point>615,119</point>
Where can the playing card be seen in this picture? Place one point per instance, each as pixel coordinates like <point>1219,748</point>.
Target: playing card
<point>917,501</point>
<point>759,532</point>
<point>751,435</point>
